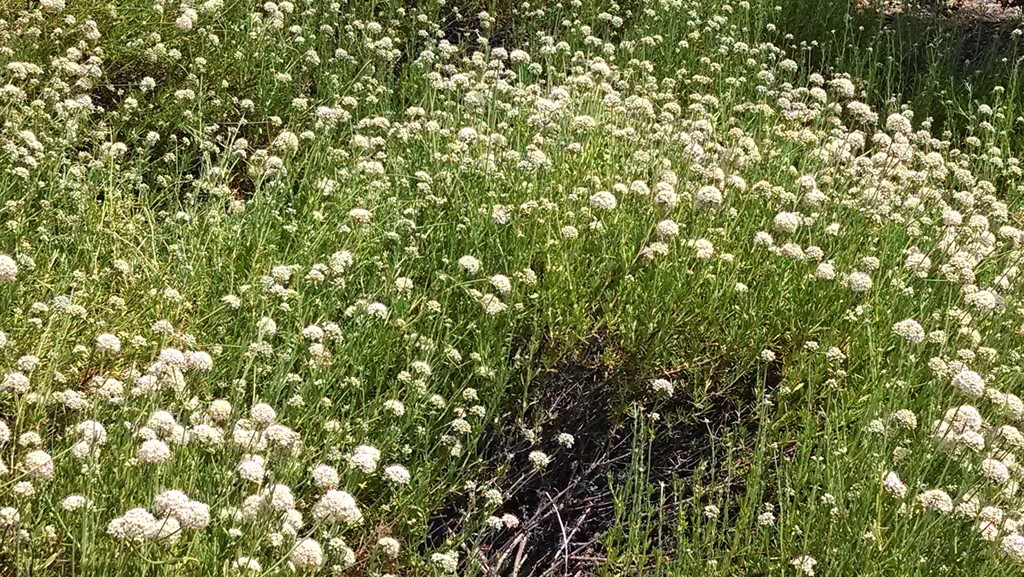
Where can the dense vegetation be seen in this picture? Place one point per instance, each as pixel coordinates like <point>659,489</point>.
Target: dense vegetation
<point>667,287</point>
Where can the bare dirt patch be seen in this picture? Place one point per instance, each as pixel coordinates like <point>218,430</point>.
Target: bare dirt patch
<point>565,509</point>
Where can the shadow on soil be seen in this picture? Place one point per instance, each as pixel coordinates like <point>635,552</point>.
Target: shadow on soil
<point>566,508</point>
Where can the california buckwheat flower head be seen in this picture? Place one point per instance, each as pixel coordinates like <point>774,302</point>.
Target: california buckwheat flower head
<point>395,407</point>
<point>910,330</point>
<point>396,474</point>
<point>969,383</point>
<point>858,282</point>
<point>804,565</point>
<point>219,410</point>
<point>936,500</point>
<point>263,414</point>
<point>1013,546</point>
<point>251,468</point>
<point>135,525</point>
<point>703,249</point>
<point>360,215</point>
<point>364,458</point>
<point>307,555</point>
<point>893,485</point>
<point>566,440</point>
<point>246,566</point>
<point>325,477</point>
<point>198,361</point>
<point>708,197</point>
<point>8,269</point>
<point>389,546</point>
<point>492,305</point>
<point>338,507</point>
<point>172,357</point>
<point>39,464</point>
<point>763,239</point>
<point>108,343</point>
<point>447,562</point>
<point>501,284</point>
<point>603,200</point>
<point>89,431</point>
<point>73,503</point>
<point>995,471</point>
<point>662,387</point>
<point>278,497</point>
<point>963,418</point>
<point>667,229</point>
<point>905,419</point>
<point>154,451</point>
<point>469,264</point>
<point>1011,436</point>
<point>787,222</point>
<point>377,310</point>
<point>539,459</point>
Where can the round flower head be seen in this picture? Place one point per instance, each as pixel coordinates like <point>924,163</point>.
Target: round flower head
<point>199,361</point>
<point>858,282</point>
<point>910,330</point>
<point>364,458</point>
<point>307,555</point>
<point>668,229</point>
<point>325,477</point>
<point>337,506</point>
<point>135,525</point>
<point>1013,546</point>
<point>969,383</point>
<point>279,497</point>
<point>246,566</point>
<point>501,283</point>
<point>392,406</point>
<point>170,502</point>
<point>708,197</point>
<point>397,474</point>
<point>8,269</point>
<point>662,387</point>
<point>539,459</point>
<point>251,469</point>
<point>360,215</point>
<point>39,464</point>
<point>936,500</point>
<point>447,562</point>
<point>893,485</point>
<point>73,503</point>
<point>804,565</point>
<point>787,222</point>
<point>9,518</point>
<point>194,515</point>
<point>995,471</point>
<point>469,264</point>
<point>219,410</point>
<point>172,357</point>
<point>108,343</point>
<point>162,422</point>
<point>905,419</point>
<point>603,200</point>
<point>963,418</point>
<point>1011,436</point>
<point>390,546</point>
<point>154,451</point>
<point>263,414</point>
<point>566,440</point>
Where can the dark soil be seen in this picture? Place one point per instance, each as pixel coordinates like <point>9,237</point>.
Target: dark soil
<point>565,509</point>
